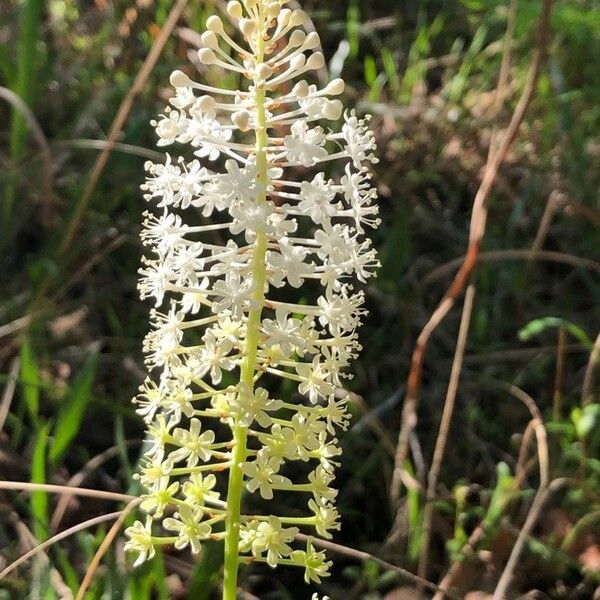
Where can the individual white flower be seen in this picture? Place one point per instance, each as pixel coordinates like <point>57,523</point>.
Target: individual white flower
<point>160,498</point>
<point>360,140</point>
<point>140,540</point>
<point>263,474</point>
<point>287,264</point>
<point>270,537</point>
<point>200,488</point>
<point>214,356</point>
<point>314,380</point>
<point>232,294</point>
<point>205,132</point>
<point>193,445</point>
<point>159,434</point>
<point>319,480</point>
<point>285,332</point>
<point>305,144</point>
<point>315,564</point>
<point>249,406</point>
<point>326,517</point>
<point>171,125</point>
<point>190,528</point>
<point>316,199</point>
<point>153,472</point>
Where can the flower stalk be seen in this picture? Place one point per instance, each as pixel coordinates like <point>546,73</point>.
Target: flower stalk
<point>236,294</point>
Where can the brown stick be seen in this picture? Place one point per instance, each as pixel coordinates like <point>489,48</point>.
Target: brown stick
<point>544,489</point>
<point>76,480</point>
<point>118,123</point>
<point>540,496</point>
<point>362,556</point>
<point>57,538</point>
<point>588,379</point>
<point>477,230</point>
<point>104,546</point>
<point>442,438</point>
<point>513,254</point>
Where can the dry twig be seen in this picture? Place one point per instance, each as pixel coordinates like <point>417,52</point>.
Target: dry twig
<point>76,480</point>
<point>587,395</point>
<point>104,546</point>
<point>9,391</point>
<point>442,438</point>
<point>362,556</point>
<point>57,538</point>
<point>119,122</point>
<point>493,256</point>
<point>63,489</point>
<point>540,496</point>
<point>477,230</point>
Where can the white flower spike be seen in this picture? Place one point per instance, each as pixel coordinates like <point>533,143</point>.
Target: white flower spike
<point>229,276</point>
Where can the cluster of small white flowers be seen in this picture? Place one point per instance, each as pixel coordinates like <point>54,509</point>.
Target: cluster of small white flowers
<point>224,315</point>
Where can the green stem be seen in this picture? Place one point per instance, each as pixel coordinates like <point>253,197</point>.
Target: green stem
<point>248,367</point>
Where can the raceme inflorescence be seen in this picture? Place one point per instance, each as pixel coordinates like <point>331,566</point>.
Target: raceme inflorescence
<point>281,196</point>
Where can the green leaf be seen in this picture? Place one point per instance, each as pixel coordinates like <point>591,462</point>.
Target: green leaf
<point>70,418</point>
<point>586,419</point>
<point>30,379</point>
<point>353,28</point>
<point>540,325</point>
<point>39,500</point>
<point>500,496</point>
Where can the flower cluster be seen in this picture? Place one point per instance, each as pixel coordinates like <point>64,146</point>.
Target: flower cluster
<point>228,324</point>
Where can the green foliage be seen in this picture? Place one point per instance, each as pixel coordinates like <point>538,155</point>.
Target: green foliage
<point>24,85</point>
<point>76,402</point>
<point>30,380</point>
<point>39,500</point>
<point>537,326</point>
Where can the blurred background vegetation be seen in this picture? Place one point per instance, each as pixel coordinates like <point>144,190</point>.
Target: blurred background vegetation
<point>71,324</point>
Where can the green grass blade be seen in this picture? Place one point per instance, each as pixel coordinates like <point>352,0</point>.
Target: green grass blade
<point>353,28</point>
<point>70,418</point>
<point>39,500</point>
<point>25,88</point>
<point>537,326</point>
<point>30,379</point>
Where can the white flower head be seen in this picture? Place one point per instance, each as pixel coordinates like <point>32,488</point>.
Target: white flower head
<point>275,202</point>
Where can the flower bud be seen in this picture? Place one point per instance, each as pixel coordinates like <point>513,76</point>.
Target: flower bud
<point>234,9</point>
<point>284,17</point>
<point>298,18</point>
<point>241,119</point>
<point>335,87</point>
<point>180,79</point>
<point>210,40</point>
<point>263,72</point>
<point>333,110</point>
<point>297,62</point>
<point>297,38</point>
<point>312,40</point>
<point>214,23</point>
<point>301,89</point>
<point>206,103</point>
<point>207,56</point>
<point>247,27</point>
<point>315,61</point>
<point>273,9</point>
